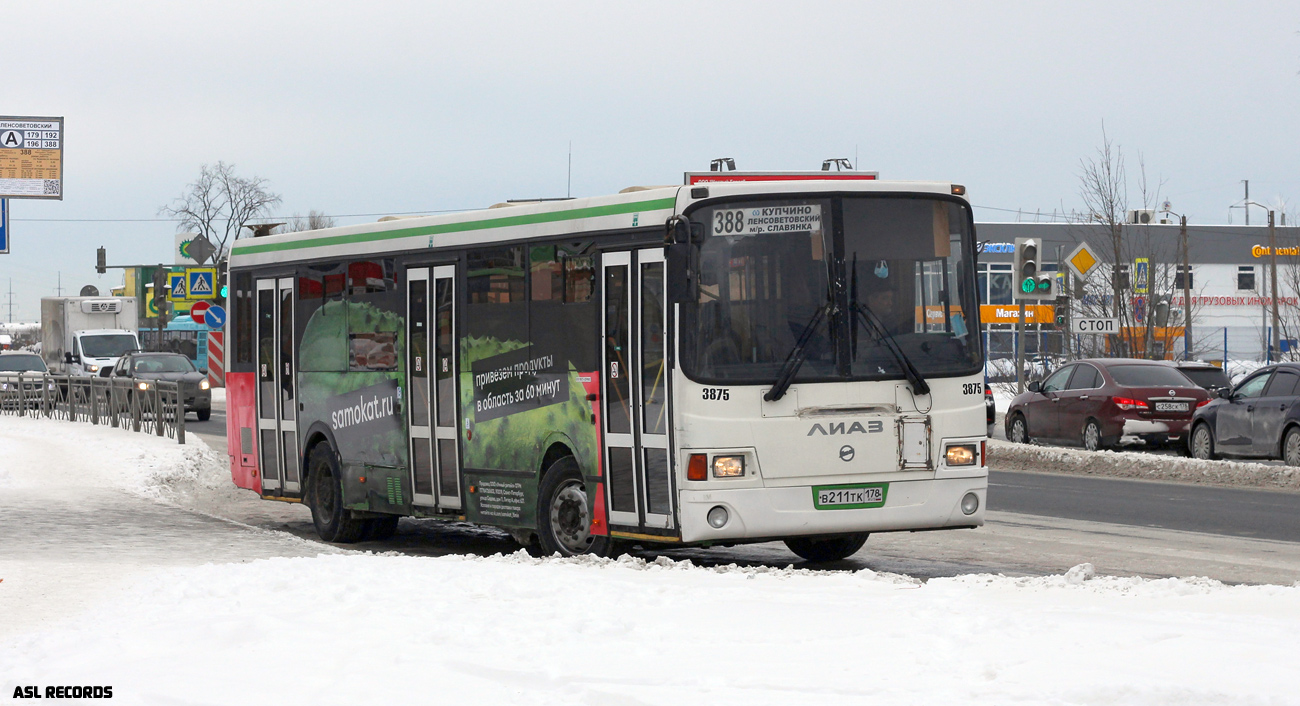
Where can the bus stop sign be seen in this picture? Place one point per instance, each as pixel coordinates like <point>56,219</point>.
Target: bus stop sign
<point>199,311</point>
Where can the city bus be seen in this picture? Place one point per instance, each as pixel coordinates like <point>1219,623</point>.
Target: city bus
<point>742,358</point>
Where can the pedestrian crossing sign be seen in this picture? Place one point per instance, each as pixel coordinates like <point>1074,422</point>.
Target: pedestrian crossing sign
<point>176,286</point>
<point>200,282</point>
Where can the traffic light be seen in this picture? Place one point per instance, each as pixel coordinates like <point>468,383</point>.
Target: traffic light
<point>1032,283</point>
<point>222,285</point>
<point>101,261</point>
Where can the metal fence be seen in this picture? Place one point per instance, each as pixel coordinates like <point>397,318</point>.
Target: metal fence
<point>147,406</point>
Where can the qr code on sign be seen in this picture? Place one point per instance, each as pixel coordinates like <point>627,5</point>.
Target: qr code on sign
<point>51,187</point>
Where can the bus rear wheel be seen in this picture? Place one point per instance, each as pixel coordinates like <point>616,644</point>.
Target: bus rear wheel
<point>563,517</point>
<point>825,550</point>
<point>325,497</point>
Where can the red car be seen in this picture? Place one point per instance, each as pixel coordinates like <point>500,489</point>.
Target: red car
<point>1102,402</point>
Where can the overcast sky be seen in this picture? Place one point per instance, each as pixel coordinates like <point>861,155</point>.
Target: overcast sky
<point>369,108</point>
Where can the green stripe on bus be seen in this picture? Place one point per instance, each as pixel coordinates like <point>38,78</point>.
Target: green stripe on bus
<point>505,222</point>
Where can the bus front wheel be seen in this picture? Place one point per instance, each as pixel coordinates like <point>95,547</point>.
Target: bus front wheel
<point>824,550</point>
<point>334,523</point>
<point>563,514</point>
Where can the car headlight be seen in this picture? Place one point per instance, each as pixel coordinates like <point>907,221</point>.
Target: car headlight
<point>4,386</point>
<point>203,384</point>
<point>142,385</point>
<point>93,368</point>
<point>728,466</point>
<point>960,455</point>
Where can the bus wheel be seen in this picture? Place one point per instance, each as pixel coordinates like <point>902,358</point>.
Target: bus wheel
<point>380,528</point>
<point>563,517</point>
<point>332,520</point>
<point>823,550</point>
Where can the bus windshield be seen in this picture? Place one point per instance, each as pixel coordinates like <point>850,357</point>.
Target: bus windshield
<point>891,274</point>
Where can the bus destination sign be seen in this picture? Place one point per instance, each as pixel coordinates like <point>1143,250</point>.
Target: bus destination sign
<point>31,158</point>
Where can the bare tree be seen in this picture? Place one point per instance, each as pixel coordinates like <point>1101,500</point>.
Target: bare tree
<point>220,203</point>
<point>1141,301</point>
<point>315,220</point>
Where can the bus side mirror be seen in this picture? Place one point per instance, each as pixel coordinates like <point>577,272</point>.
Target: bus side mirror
<point>681,281</point>
<point>67,357</point>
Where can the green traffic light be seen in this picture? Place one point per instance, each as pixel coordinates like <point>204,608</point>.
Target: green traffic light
<point>1027,286</point>
<point>1045,285</point>
<point>223,291</point>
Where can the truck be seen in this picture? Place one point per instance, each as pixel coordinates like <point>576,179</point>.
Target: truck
<point>86,335</point>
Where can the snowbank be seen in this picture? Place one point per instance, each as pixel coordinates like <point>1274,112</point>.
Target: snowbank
<point>101,456</point>
<point>518,630</point>
<point>1006,456</point>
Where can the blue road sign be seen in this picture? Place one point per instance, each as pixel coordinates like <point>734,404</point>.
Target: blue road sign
<point>4,226</point>
<point>201,282</point>
<point>215,317</point>
<point>176,283</point>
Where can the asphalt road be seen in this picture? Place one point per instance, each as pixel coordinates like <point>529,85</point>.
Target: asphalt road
<point>1037,523</point>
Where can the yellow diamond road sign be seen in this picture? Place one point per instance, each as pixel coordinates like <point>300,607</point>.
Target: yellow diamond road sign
<point>1082,261</point>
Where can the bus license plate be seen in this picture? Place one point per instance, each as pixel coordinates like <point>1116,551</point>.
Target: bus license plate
<point>1172,407</point>
<point>849,497</point>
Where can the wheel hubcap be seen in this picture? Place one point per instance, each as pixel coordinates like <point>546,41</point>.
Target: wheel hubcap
<point>1201,443</point>
<point>1092,437</point>
<point>570,522</point>
<point>1018,430</point>
<point>1293,450</point>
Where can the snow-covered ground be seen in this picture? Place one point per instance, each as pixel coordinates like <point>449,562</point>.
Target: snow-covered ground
<point>316,625</point>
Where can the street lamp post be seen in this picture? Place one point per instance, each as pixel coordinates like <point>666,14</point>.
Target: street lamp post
<point>1274,349</point>
<point>1187,285</point>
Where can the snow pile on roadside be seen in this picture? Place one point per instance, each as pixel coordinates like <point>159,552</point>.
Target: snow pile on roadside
<point>514,629</point>
<point>49,453</point>
<point>1006,456</point>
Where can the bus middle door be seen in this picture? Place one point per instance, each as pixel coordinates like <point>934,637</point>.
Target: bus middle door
<point>634,382</point>
<point>431,370</point>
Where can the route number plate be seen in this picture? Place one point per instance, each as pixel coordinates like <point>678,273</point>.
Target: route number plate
<point>849,497</point>
<point>1172,407</point>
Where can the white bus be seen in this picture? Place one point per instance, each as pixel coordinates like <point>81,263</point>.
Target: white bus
<point>759,357</point>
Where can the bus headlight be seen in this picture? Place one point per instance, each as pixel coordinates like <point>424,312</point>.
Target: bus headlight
<point>970,503</point>
<point>93,368</point>
<point>960,455</point>
<point>203,384</point>
<point>728,466</point>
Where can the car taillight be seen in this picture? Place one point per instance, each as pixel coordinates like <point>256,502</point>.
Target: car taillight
<point>1202,403</point>
<point>1128,403</point>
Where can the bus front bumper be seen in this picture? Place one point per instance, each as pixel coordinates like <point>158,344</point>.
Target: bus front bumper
<point>776,513</point>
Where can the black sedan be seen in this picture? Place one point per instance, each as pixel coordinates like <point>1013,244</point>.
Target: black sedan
<point>172,367</point>
<point>1259,418</point>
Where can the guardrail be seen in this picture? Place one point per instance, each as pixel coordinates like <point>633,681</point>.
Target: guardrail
<point>147,406</point>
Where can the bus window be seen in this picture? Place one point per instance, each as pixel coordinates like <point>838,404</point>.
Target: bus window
<point>372,320</point>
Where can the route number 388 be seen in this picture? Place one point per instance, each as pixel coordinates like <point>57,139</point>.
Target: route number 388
<point>728,222</point>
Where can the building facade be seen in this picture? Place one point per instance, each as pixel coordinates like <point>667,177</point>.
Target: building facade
<point>1230,286</point>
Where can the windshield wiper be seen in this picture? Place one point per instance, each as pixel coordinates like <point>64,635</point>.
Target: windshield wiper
<point>796,356</point>
<point>877,329</point>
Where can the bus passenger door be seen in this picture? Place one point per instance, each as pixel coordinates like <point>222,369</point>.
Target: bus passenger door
<point>277,398</point>
<point>431,370</point>
<point>418,396</point>
<point>443,312</point>
<point>634,397</point>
